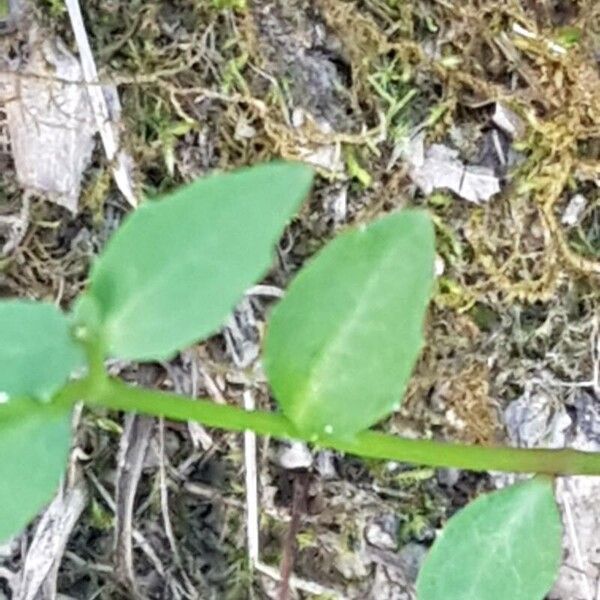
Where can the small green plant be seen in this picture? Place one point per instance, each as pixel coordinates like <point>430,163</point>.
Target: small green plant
<point>338,354</point>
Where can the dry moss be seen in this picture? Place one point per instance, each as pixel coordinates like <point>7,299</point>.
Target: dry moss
<point>204,87</point>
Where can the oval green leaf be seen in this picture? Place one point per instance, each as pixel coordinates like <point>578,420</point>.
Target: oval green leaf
<point>504,546</point>
<point>37,353</point>
<point>34,445</point>
<point>176,268</point>
<point>342,343</point>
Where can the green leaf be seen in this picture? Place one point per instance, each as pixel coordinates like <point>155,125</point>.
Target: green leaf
<point>342,343</point>
<point>176,268</point>
<point>504,546</point>
<point>37,353</point>
<point>34,445</point>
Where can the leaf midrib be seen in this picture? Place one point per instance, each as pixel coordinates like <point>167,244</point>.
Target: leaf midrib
<point>149,289</point>
<point>308,395</point>
<point>524,508</point>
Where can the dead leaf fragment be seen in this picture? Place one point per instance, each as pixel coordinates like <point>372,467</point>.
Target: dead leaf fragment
<point>50,124</point>
<point>438,167</point>
<point>40,569</point>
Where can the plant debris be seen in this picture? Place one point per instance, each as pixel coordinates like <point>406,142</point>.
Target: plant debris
<point>438,168</point>
<point>50,122</point>
<point>508,121</point>
<point>215,85</point>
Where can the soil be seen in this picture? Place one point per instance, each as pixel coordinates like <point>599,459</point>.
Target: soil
<point>211,85</point>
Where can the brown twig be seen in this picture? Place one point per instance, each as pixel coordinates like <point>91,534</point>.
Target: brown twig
<point>289,549</point>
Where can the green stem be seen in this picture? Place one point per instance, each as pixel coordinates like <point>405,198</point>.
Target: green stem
<point>115,395</point>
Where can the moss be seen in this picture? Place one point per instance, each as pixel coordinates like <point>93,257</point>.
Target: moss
<point>213,85</point>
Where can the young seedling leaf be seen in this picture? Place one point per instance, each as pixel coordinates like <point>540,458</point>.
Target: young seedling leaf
<point>34,445</point>
<point>504,546</point>
<point>342,343</point>
<point>37,353</point>
<point>176,268</point>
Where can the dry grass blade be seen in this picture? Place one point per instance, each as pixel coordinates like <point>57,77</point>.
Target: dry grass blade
<point>251,479</point>
<point>296,583</point>
<point>164,504</point>
<point>40,569</point>
<point>132,451</point>
<point>138,537</point>
<point>107,129</point>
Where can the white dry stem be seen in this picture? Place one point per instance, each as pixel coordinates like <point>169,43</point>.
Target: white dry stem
<point>564,492</point>
<point>252,518</point>
<point>300,584</point>
<point>108,132</point>
<point>596,357</point>
<point>530,35</point>
<point>269,291</point>
<point>164,506</point>
<point>41,564</point>
<point>251,487</point>
<point>139,538</point>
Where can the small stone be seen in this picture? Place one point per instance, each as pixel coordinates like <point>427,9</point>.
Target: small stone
<point>574,210</point>
<point>298,117</point>
<point>325,465</point>
<point>508,121</point>
<point>382,532</point>
<point>536,420</point>
<point>294,456</point>
<point>243,130</point>
<point>448,477</point>
<point>412,556</point>
<point>337,204</point>
<point>440,265</point>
